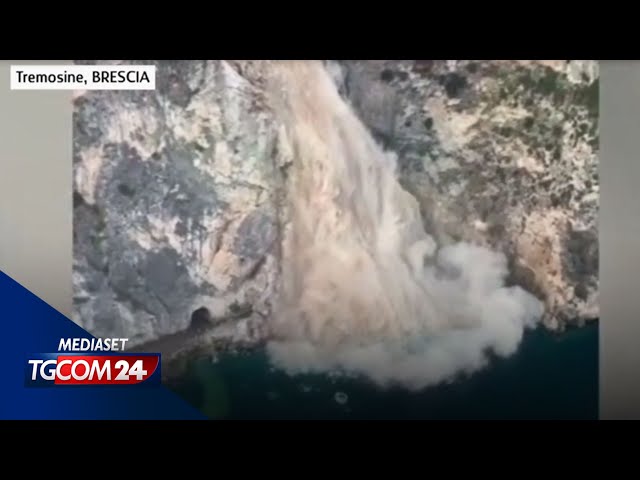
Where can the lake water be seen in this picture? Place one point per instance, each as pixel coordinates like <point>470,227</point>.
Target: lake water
<point>552,376</point>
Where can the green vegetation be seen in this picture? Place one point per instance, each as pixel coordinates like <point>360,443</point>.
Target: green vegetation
<point>555,106</point>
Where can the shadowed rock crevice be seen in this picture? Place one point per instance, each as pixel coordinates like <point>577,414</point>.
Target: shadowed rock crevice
<point>200,319</point>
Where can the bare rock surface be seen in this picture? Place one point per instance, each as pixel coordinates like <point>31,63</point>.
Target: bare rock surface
<point>174,204</point>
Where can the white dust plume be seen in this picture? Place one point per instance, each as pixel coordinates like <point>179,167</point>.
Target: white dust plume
<point>365,289</point>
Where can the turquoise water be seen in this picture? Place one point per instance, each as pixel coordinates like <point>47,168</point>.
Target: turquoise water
<point>552,376</point>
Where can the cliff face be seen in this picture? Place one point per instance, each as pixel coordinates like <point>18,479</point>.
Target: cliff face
<point>178,192</point>
<point>499,153</point>
<point>175,205</point>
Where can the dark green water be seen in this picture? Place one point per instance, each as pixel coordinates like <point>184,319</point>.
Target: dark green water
<point>553,376</point>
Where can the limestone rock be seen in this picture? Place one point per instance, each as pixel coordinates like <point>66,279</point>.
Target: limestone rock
<point>501,153</point>
<point>174,203</point>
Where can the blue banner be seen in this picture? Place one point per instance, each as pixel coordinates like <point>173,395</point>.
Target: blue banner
<point>32,329</point>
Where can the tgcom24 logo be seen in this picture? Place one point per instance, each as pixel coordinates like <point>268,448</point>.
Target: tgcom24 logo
<point>84,361</point>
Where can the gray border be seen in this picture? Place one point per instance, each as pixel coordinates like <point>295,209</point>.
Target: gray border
<point>35,189</point>
<point>619,235</point>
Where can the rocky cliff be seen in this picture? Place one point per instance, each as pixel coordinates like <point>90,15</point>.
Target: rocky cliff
<point>500,153</point>
<point>178,192</point>
<point>175,205</point>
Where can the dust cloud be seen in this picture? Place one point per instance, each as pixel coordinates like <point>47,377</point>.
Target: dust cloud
<point>365,289</point>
